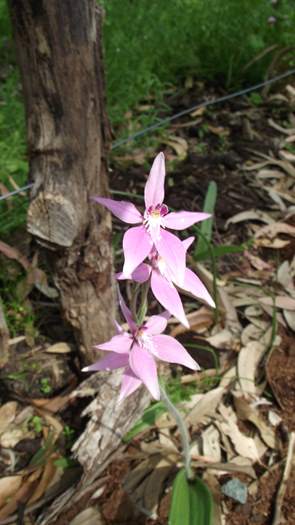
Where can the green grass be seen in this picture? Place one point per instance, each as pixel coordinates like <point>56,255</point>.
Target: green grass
<point>150,46</point>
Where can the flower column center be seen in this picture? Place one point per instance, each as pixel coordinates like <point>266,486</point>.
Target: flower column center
<point>153,219</point>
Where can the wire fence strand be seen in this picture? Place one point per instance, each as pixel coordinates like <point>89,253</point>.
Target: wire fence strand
<point>167,120</point>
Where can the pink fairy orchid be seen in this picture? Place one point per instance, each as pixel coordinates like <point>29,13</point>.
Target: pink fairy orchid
<point>162,283</point>
<point>139,240</point>
<point>136,350</point>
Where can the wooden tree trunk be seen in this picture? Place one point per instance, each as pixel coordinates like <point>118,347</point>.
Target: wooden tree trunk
<point>59,51</point>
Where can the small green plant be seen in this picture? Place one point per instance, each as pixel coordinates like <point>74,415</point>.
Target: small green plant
<point>69,434</point>
<point>37,424</point>
<point>255,98</point>
<point>45,386</point>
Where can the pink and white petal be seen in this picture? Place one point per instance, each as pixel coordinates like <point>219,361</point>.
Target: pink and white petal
<point>120,344</point>
<point>118,328</point>
<point>169,349</point>
<point>109,362</point>
<point>126,312</point>
<point>140,275</point>
<point>194,285</point>
<point>168,296</point>
<point>188,242</point>
<point>137,245</point>
<point>144,367</point>
<point>124,210</point>
<point>154,188</point>
<point>171,249</point>
<point>130,383</point>
<point>156,324</point>
<point>179,220</point>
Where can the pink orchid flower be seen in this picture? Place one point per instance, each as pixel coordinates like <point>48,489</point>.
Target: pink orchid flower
<point>162,283</point>
<point>136,350</point>
<point>139,240</point>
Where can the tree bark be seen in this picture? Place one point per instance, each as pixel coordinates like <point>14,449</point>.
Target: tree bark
<point>59,50</point>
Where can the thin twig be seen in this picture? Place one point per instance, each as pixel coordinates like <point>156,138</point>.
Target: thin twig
<point>277,520</point>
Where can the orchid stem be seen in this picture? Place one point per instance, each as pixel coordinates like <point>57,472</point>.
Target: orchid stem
<point>184,435</point>
<point>143,303</point>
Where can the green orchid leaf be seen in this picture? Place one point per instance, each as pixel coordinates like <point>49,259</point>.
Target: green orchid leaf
<point>192,502</point>
<point>206,226</point>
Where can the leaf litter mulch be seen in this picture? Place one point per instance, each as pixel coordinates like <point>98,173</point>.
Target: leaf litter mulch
<point>241,407</point>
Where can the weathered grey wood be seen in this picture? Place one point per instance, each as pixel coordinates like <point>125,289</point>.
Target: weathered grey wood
<point>100,442</point>
<point>59,51</point>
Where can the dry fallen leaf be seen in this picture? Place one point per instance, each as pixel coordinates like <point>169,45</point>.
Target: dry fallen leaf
<point>248,360</point>
<point>8,487</point>
<point>244,445</point>
<point>59,348</point>
<point>248,412</point>
<point>211,443</point>
<point>89,516</point>
<point>250,215</point>
<point>7,415</point>
<point>206,406</point>
<point>280,301</point>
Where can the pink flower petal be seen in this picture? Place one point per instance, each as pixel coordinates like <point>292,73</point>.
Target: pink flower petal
<point>173,252</point>
<point>118,328</point>
<point>119,343</point>
<point>126,312</point>
<point>194,285</point>
<point>169,349</point>
<point>168,296</point>
<point>156,324</point>
<point>179,220</point>
<point>109,362</point>
<point>154,188</point>
<point>188,242</point>
<point>137,245</point>
<point>124,210</point>
<point>129,384</point>
<point>144,367</point>
<point>140,275</point>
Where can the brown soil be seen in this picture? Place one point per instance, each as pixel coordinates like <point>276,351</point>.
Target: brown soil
<point>281,377</point>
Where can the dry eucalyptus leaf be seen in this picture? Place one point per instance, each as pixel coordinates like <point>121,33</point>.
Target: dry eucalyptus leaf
<point>290,319</point>
<point>154,486</point>
<point>136,475</point>
<point>199,321</point>
<point>275,244</point>
<point>89,516</point>
<point>280,301</point>
<point>244,445</point>
<point>228,378</point>
<point>13,435</point>
<point>250,215</point>
<point>251,332</point>
<point>211,443</point>
<point>179,145</point>
<point>8,487</point>
<point>248,412</point>
<point>285,277</point>
<point>248,360</point>
<point>7,415</point>
<point>274,418</point>
<point>44,482</point>
<point>223,339</point>
<point>206,406</point>
<point>59,348</point>
<point>271,230</point>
